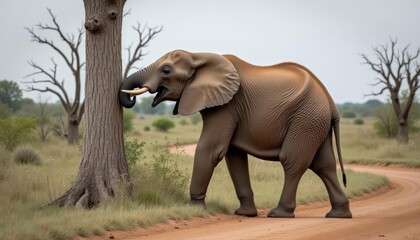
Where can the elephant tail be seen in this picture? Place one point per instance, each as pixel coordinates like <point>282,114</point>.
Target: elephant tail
<point>336,127</point>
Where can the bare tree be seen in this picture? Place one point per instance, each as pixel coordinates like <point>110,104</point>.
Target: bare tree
<point>74,108</point>
<point>103,166</point>
<point>397,68</point>
<point>135,54</point>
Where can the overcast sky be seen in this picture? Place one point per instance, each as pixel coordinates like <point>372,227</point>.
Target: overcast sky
<point>327,36</point>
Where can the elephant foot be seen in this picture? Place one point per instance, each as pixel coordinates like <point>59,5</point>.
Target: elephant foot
<point>343,212</point>
<point>248,212</point>
<point>200,203</point>
<point>280,212</point>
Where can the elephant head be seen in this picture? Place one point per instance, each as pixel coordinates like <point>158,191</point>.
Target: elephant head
<point>194,80</point>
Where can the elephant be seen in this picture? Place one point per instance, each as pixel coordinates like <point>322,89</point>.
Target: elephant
<point>277,113</point>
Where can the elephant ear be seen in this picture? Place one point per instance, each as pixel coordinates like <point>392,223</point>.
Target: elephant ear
<point>214,83</point>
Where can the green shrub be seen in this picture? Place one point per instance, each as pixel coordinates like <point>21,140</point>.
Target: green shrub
<point>349,114</point>
<point>16,130</point>
<point>5,111</point>
<point>163,124</point>
<point>386,122</point>
<point>161,182</point>
<point>359,121</point>
<point>195,118</point>
<point>128,117</point>
<point>183,122</point>
<point>26,155</point>
<point>133,153</point>
<point>165,166</point>
<point>146,128</point>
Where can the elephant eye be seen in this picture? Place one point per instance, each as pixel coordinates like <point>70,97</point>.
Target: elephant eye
<point>166,71</point>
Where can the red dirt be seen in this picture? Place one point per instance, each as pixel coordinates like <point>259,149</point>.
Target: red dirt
<point>388,214</point>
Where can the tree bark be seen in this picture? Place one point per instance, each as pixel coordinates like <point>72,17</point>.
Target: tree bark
<point>73,132</point>
<point>103,167</point>
<point>402,134</point>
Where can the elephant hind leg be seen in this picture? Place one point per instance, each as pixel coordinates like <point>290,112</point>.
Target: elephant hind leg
<point>237,163</point>
<point>287,203</point>
<point>324,165</point>
<point>296,155</point>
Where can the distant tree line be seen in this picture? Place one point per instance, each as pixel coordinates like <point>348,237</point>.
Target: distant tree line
<point>144,106</point>
<point>386,123</point>
<point>353,110</point>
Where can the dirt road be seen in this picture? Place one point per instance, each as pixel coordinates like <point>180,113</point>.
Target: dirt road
<point>391,214</point>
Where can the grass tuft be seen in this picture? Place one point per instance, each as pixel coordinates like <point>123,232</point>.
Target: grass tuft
<point>26,155</point>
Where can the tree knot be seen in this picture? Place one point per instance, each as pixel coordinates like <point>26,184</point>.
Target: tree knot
<point>93,24</point>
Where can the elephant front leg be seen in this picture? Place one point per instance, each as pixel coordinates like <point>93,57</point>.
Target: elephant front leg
<point>204,163</point>
<point>218,127</point>
<point>237,163</point>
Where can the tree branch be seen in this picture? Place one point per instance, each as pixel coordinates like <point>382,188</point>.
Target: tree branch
<point>47,89</point>
<point>135,54</point>
<point>52,79</point>
<point>377,93</point>
<point>81,111</point>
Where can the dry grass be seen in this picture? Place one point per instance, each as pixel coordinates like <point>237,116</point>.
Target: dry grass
<point>360,144</point>
<point>29,187</point>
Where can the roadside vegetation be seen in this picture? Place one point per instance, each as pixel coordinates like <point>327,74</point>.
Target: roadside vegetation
<point>160,181</point>
<point>362,145</point>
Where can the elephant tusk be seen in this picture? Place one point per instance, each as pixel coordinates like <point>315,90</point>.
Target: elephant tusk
<point>136,92</point>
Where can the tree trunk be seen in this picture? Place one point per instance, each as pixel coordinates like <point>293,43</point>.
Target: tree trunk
<point>73,131</point>
<point>402,134</point>
<point>103,167</point>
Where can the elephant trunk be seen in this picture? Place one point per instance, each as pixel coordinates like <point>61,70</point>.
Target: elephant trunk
<point>135,80</point>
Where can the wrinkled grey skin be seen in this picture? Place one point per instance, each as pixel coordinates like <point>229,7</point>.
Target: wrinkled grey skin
<point>277,113</point>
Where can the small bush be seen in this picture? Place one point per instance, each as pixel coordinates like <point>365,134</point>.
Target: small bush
<point>16,130</point>
<point>183,122</point>
<point>161,182</point>
<point>163,124</point>
<point>133,153</point>
<point>26,155</point>
<point>5,111</point>
<point>359,121</point>
<point>146,128</point>
<point>386,122</point>
<point>128,117</point>
<point>195,119</point>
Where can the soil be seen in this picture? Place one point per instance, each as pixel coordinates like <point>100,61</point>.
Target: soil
<point>391,213</point>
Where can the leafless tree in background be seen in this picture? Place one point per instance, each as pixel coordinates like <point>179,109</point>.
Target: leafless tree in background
<point>396,69</point>
<point>73,107</point>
